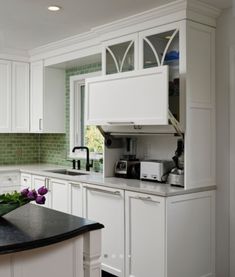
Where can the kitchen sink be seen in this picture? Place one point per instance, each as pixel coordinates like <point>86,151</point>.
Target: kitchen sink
<point>66,172</point>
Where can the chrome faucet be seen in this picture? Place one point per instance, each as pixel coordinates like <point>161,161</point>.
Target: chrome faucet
<point>88,165</point>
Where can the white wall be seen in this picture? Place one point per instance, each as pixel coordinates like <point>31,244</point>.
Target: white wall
<point>225,38</point>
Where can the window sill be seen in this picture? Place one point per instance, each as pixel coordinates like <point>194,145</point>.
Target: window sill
<point>80,155</point>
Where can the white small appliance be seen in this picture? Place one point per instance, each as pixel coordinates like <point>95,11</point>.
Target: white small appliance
<point>155,170</point>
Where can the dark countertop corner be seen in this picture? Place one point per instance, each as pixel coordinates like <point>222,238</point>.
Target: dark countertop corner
<point>32,226</point>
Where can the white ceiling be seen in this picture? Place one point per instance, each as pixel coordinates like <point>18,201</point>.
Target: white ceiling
<point>26,24</point>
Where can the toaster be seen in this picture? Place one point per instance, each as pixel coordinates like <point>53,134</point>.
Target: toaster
<point>155,170</point>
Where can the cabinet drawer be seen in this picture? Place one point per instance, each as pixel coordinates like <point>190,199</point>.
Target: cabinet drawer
<point>9,179</point>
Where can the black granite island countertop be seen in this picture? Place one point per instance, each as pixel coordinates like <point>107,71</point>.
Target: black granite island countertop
<point>32,226</point>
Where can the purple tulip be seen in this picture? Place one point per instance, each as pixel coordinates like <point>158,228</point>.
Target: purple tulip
<point>40,199</point>
<point>42,190</point>
<point>32,195</point>
<point>25,192</point>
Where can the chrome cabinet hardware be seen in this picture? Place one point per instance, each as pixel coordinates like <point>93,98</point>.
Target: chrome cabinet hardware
<point>40,124</point>
<point>121,123</point>
<point>147,198</point>
<point>105,191</point>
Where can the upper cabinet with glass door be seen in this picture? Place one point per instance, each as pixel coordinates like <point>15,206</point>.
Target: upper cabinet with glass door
<point>120,55</point>
<point>161,46</point>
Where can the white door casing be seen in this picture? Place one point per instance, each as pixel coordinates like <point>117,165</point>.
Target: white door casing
<point>232,161</point>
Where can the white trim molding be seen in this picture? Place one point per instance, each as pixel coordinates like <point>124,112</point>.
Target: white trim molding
<point>175,11</point>
<point>232,160</point>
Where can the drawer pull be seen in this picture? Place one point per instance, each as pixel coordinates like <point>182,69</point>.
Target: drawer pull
<point>47,184</point>
<point>147,198</point>
<point>121,123</point>
<point>9,179</point>
<point>106,191</point>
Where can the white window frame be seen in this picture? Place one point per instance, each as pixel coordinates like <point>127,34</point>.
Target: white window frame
<point>75,82</point>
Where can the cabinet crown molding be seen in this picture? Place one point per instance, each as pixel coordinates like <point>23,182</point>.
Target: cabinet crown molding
<point>182,9</point>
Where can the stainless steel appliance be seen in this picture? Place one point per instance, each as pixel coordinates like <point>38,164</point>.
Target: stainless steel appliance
<point>155,170</point>
<point>127,169</point>
<point>176,176</point>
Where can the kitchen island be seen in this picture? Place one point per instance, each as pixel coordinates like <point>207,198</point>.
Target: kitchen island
<point>36,241</point>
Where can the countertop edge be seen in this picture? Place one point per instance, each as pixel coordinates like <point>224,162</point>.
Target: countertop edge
<point>42,171</point>
<point>49,241</point>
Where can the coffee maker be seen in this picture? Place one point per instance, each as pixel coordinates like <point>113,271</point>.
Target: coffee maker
<point>128,166</point>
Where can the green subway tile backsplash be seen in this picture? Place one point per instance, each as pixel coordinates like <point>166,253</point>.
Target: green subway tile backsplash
<point>19,148</point>
<point>45,148</point>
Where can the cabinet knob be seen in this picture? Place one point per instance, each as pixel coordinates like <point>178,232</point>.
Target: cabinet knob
<point>106,255</point>
<point>9,179</point>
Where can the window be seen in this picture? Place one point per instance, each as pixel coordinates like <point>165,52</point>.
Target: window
<point>80,134</point>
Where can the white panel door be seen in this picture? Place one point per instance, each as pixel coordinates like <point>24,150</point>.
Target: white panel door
<point>191,235</point>
<point>145,235</point>
<point>106,206</point>
<point>130,98</point>
<point>25,181</point>
<point>39,181</point>
<point>20,97</point>
<point>76,200</point>
<point>5,96</point>
<point>60,196</point>
<point>36,96</point>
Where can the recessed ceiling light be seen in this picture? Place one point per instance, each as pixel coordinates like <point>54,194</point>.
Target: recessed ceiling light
<point>54,8</point>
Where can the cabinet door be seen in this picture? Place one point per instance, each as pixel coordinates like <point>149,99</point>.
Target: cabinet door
<point>10,181</point>
<point>145,235</point>
<point>5,96</point>
<point>120,55</point>
<point>60,196</point>
<point>165,45</point>
<point>20,97</point>
<point>36,96</point>
<point>76,200</point>
<point>191,235</point>
<point>106,206</point>
<point>39,181</point>
<point>131,98</point>
<point>25,181</point>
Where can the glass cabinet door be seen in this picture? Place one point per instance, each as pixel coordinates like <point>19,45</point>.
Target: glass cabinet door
<point>120,57</point>
<point>163,49</point>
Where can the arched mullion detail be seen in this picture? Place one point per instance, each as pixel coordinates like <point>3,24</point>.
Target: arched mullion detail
<point>114,58</point>
<point>168,44</point>
<point>125,54</point>
<point>153,49</point>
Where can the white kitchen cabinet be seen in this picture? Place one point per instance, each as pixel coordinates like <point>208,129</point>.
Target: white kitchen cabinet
<point>120,54</point>
<point>191,235</point>
<point>9,181</point>
<point>173,236</point>
<point>47,99</point>
<point>39,181</point>
<point>20,97</point>
<point>145,235</point>
<point>60,195</point>
<point>76,199</point>
<point>25,181</point>
<point>5,96</point>
<point>130,98</point>
<point>14,92</point>
<point>106,205</point>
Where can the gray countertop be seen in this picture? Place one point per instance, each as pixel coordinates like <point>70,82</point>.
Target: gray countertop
<point>113,182</point>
